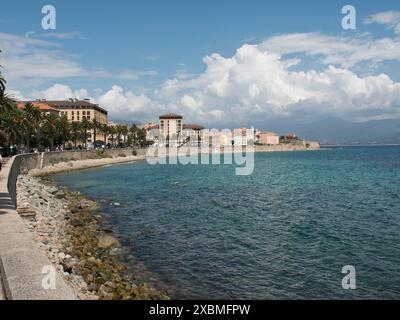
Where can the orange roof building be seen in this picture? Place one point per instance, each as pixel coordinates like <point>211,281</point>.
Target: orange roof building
<point>45,108</point>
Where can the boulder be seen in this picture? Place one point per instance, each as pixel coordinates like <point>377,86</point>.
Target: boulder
<point>107,241</point>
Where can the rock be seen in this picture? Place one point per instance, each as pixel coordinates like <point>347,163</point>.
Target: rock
<point>93,287</point>
<point>52,190</point>
<point>105,293</point>
<point>59,194</point>
<point>107,241</point>
<point>115,252</point>
<point>69,265</point>
<point>110,284</point>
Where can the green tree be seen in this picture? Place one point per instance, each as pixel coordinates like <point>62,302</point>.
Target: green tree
<point>51,126</point>
<point>133,134</point>
<point>141,137</point>
<point>64,130</point>
<point>113,132</point>
<point>105,129</point>
<point>124,132</point>
<point>96,126</point>
<point>75,132</point>
<point>13,123</point>
<point>85,126</point>
<point>119,131</point>
<point>35,118</point>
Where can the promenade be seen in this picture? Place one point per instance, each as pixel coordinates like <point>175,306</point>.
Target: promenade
<point>23,264</point>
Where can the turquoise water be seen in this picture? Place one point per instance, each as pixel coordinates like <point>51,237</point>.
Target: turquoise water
<point>285,231</point>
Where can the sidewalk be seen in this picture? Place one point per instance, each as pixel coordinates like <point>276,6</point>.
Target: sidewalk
<point>22,261</point>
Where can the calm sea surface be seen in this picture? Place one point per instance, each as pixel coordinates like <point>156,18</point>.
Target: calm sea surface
<point>285,231</point>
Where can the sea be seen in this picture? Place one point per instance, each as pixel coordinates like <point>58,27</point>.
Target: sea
<point>304,225</point>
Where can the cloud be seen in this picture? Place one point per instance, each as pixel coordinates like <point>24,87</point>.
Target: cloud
<point>151,58</point>
<point>60,92</point>
<point>122,75</point>
<point>29,61</point>
<point>124,106</point>
<point>183,74</point>
<point>26,57</point>
<point>127,106</point>
<point>340,51</point>
<point>62,35</point>
<point>256,85</point>
<point>388,18</point>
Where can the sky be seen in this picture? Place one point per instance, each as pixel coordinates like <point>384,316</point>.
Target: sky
<point>219,63</point>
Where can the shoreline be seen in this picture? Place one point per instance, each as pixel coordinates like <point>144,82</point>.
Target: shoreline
<point>67,226</point>
<point>72,165</point>
<point>82,164</point>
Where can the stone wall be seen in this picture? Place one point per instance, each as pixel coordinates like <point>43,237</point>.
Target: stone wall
<point>25,162</point>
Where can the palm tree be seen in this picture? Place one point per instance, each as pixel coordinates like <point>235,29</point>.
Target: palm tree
<point>105,129</point>
<point>75,132</point>
<point>35,118</point>
<point>113,131</point>
<point>124,132</point>
<point>133,133</point>
<point>119,130</point>
<point>6,103</point>
<point>51,126</point>
<point>85,126</point>
<point>2,86</point>
<point>12,124</point>
<point>95,125</point>
<point>64,131</point>
<point>141,136</point>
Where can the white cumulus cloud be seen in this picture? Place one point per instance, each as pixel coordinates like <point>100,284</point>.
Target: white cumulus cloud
<point>257,84</point>
<point>60,92</point>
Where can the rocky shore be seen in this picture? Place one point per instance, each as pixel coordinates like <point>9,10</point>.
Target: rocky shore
<point>68,228</point>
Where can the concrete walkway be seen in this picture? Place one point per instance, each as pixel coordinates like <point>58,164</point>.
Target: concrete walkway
<point>26,272</point>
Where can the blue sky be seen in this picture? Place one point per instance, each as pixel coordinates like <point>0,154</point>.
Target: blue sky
<point>141,46</point>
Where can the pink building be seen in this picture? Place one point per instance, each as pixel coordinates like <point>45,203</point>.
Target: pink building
<point>268,138</point>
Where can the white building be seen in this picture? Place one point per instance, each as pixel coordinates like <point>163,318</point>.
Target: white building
<point>172,132</point>
<point>171,126</point>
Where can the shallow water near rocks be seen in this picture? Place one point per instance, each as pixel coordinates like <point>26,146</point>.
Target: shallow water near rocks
<point>285,231</point>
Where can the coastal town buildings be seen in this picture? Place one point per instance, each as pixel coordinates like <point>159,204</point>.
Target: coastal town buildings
<point>171,125</point>
<point>243,136</point>
<point>75,110</point>
<point>45,108</point>
<point>267,138</point>
<point>172,131</point>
